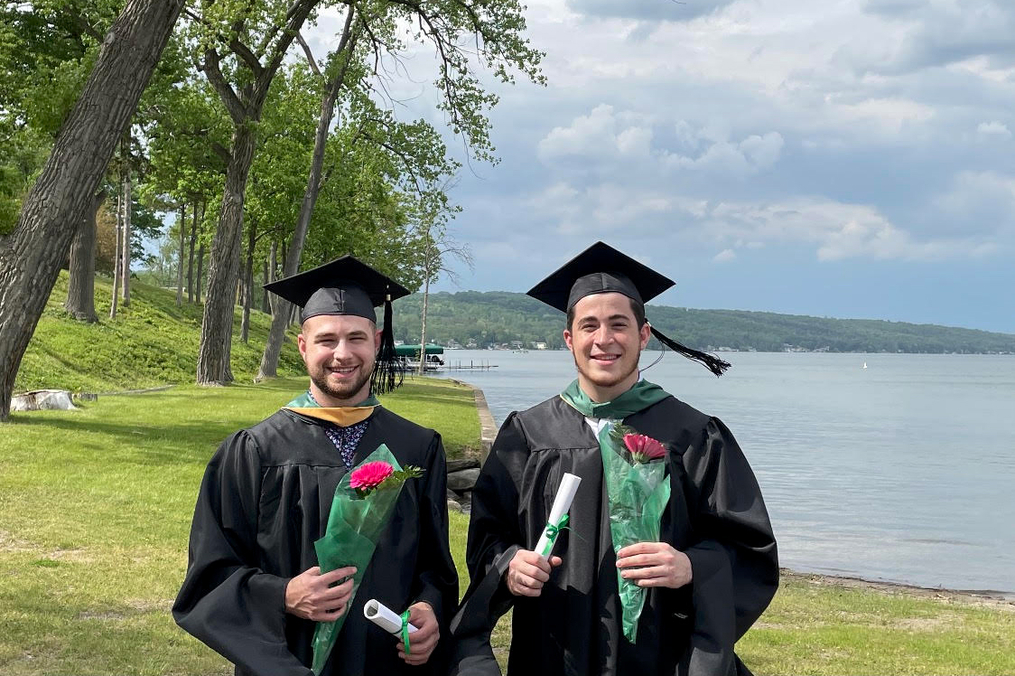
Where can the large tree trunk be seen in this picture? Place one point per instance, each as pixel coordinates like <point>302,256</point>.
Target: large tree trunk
<point>282,309</point>
<point>248,284</point>
<point>81,284</point>
<point>128,210</point>
<point>190,260</point>
<point>245,111</point>
<point>217,324</point>
<point>31,256</point>
<point>182,223</point>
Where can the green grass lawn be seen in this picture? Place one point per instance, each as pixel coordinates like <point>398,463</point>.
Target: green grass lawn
<point>95,509</point>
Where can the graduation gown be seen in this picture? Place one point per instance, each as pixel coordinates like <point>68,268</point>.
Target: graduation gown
<point>264,500</point>
<point>715,515</point>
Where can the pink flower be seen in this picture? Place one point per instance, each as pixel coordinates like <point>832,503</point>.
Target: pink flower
<point>644,448</point>
<point>369,476</point>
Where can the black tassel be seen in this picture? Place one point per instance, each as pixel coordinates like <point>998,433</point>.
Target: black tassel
<point>711,362</point>
<point>386,376</point>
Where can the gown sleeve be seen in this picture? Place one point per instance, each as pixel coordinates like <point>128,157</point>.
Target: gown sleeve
<point>494,537</point>
<point>226,601</point>
<point>438,577</point>
<point>735,567</point>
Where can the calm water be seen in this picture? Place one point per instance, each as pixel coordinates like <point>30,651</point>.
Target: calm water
<point>903,471</point>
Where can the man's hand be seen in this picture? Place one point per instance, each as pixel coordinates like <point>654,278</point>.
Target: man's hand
<point>654,564</point>
<point>528,571</point>
<point>317,597</point>
<point>424,639</point>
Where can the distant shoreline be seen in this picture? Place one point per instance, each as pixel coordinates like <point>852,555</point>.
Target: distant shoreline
<point>978,596</point>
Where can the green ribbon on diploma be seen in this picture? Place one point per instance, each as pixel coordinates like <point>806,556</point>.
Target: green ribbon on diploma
<point>405,631</point>
<point>552,531</point>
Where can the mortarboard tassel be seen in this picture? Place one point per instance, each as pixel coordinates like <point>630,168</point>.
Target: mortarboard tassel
<point>387,376</point>
<point>711,362</point>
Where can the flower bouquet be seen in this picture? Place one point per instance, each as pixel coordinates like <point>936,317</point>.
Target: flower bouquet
<point>637,489</point>
<point>361,509</point>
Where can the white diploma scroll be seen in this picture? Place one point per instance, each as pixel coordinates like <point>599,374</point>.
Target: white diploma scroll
<point>561,503</point>
<point>385,618</point>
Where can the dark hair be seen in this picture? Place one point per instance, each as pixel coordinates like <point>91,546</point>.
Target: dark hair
<point>638,309</point>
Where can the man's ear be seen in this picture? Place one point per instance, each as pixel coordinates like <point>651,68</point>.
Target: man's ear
<point>645,333</point>
<point>301,342</point>
<point>567,340</point>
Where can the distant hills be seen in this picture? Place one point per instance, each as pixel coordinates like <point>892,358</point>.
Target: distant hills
<point>485,319</point>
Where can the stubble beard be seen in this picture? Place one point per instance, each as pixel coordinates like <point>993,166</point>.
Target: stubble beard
<point>320,378</point>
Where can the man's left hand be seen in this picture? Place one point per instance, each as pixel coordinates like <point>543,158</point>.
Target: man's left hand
<point>424,639</point>
<point>654,564</point>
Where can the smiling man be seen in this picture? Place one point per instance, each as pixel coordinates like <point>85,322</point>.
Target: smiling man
<point>713,570</point>
<point>253,590</point>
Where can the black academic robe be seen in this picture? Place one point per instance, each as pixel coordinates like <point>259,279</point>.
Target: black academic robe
<point>715,515</point>
<point>265,499</point>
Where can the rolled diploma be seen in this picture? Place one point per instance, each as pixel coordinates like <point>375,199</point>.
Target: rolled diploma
<point>385,618</point>
<point>561,503</point>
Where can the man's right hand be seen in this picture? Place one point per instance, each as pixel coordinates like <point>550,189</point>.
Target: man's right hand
<point>528,571</point>
<point>310,594</point>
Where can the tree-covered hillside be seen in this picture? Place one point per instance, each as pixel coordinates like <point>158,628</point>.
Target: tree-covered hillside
<point>498,318</point>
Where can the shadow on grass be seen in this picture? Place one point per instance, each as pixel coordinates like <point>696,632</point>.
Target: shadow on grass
<point>191,440</point>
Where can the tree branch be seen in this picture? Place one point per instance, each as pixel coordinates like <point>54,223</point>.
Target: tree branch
<point>310,55</point>
<point>248,57</point>
<point>212,69</point>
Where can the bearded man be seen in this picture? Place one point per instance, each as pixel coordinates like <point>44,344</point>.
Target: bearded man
<point>712,571</point>
<point>253,590</point>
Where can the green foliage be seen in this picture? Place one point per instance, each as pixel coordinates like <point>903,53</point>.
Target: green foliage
<point>150,343</point>
<point>497,317</point>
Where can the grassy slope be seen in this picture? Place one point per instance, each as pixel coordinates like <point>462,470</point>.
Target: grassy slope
<point>152,342</point>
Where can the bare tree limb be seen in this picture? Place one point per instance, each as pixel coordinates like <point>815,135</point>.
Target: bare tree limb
<point>310,55</point>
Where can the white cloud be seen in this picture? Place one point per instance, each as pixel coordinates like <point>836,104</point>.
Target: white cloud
<point>600,133</point>
<point>993,129</point>
<point>725,256</point>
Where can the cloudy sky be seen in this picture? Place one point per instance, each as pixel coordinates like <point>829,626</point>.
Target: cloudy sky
<point>849,158</point>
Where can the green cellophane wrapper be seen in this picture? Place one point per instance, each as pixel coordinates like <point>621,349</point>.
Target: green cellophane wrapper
<point>637,494</point>
<point>354,525</point>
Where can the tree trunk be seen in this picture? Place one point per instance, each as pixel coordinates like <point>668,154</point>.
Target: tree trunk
<point>217,325</point>
<point>182,223</point>
<point>117,251</point>
<point>81,284</point>
<point>128,209</point>
<point>266,276</point>
<point>248,284</point>
<point>200,272</point>
<point>31,256</point>
<point>422,334</point>
<point>190,260</point>
<point>280,318</point>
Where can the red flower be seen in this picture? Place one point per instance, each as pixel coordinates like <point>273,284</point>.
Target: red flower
<point>644,448</point>
<point>370,476</point>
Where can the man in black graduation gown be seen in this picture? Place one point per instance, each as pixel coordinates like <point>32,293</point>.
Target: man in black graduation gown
<point>253,591</point>
<point>713,572</point>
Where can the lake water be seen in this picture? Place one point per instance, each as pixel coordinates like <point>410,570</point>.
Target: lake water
<point>903,471</point>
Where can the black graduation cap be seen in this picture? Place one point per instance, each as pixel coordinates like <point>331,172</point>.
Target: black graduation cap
<point>348,286</point>
<point>603,269</point>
